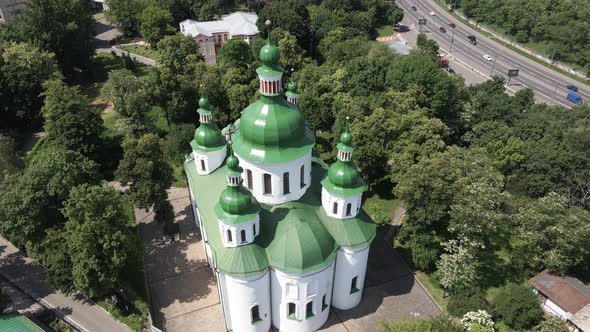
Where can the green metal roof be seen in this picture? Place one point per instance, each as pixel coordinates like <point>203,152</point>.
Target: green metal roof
<point>295,237</point>
<point>17,323</point>
<point>271,130</point>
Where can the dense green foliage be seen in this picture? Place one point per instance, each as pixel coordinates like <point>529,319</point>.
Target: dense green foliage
<point>463,302</point>
<point>438,324</point>
<point>518,306</point>
<point>10,161</point>
<point>559,26</point>
<point>155,23</point>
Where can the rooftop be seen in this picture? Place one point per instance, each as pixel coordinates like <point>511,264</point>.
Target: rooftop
<point>568,293</point>
<point>236,24</point>
<point>17,323</point>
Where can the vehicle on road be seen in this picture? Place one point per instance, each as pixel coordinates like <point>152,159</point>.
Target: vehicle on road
<point>572,88</point>
<point>472,39</point>
<point>414,8</point>
<point>452,25</point>
<point>487,57</point>
<point>574,98</point>
<point>432,13</point>
<point>443,30</point>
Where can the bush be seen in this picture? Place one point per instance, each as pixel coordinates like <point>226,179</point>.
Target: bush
<point>518,306</point>
<point>551,324</point>
<point>464,302</point>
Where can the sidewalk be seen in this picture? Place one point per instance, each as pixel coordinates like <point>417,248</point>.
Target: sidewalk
<point>30,277</point>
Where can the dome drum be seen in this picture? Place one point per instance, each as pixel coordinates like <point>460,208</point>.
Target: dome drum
<point>208,161</point>
<point>271,85</point>
<point>341,207</point>
<point>235,235</point>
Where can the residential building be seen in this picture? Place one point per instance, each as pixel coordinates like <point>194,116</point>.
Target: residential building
<point>210,35</point>
<point>9,9</point>
<point>284,233</point>
<point>565,297</point>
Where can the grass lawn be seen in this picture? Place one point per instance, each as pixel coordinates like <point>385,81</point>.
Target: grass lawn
<point>379,208</point>
<point>142,50</point>
<point>385,30</point>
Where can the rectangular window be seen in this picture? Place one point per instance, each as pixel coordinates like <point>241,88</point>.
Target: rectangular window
<point>249,178</point>
<point>309,309</point>
<point>267,185</point>
<point>202,165</point>
<point>285,183</point>
<point>291,310</point>
<point>243,235</point>
<point>255,314</point>
<point>335,208</point>
<point>302,176</point>
<point>254,229</point>
<point>348,209</point>
<point>229,238</point>
<point>353,285</point>
<point>324,304</point>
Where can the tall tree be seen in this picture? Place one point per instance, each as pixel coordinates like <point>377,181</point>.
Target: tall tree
<point>289,15</point>
<point>126,15</point>
<point>70,123</point>
<point>100,238</point>
<point>23,71</point>
<point>10,161</point>
<point>63,27</point>
<point>457,266</point>
<point>155,23</point>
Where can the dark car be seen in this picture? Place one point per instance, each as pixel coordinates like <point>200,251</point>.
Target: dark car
<point>443,30</point>
<point>472,39</point>
<point>452,25</point>
<point>572,88</point>
<point>414,8</point>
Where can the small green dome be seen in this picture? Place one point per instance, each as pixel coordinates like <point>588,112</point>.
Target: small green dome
<point>208,135</point>
<point>346,138</point>
<point>270,55</point>
<point>292,87</point>
<point>344,174</point>
<point>236,200</point>
<point>233,163</point>
<point>204,103</point>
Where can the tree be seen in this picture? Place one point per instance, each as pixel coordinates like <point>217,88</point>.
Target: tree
<point>155,23</point>
<point>10,161</point>
<point>235,53</point>
<point>457,266</point>
<point>465,301</point>
<point>178,53</point>
<point>129,96</point>
<point>551,324</point>
<point>126,15</point>
<point>292,55</point>
<point>23,71</point>
<point>70,123</point>
<point>543,237</point>
<point>176,144</point>
<point>62,27</point>
<point>289,15</point>
<point>428,46</point>
<point>518,306</point>
<point>99,238</point>
<point>478,321</point>
<point>56,258</point>
<point>32,202</point>
<point>145,170</point>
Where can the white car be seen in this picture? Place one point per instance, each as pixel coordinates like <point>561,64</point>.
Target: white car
<point>487,57</point>
<point>432,13</point>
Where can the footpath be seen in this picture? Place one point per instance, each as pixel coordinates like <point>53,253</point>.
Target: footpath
<point>26,275</point>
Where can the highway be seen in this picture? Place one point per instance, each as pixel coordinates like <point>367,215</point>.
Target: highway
<point>549,86</point>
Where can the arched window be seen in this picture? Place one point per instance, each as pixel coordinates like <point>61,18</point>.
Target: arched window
<point>243,235</point>
<point>291,310</point>
<point>267,185</point>
<point>229,238</point>
<point>324,304</point>
<point>286,183</point>
<point>302,177</point>
<point>249,179</point>
<point>353,285</point>
<point>309,309</point>
<point>254,312</point>
<point>203,165</point>
<point>348,209</point>
<point>335,208</point>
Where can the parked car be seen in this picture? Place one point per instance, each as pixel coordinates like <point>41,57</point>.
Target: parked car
<point>574,98</point>
<point>452,25</point>
<point>443,30</point>
<point>414,8</point>
<point>487,57</point>
<point>572,88</point>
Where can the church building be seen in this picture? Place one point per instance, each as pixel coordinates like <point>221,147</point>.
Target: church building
<point>284,233</point>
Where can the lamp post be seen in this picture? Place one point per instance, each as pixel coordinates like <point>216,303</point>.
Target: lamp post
<point>452,40</point>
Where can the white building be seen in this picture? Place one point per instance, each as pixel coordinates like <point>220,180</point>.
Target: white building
<point>284,234</point>
<point>564,297</point>
<point>210,35</point>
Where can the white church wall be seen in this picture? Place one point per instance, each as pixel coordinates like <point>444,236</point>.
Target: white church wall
<point>236,232</point>
<point>300,290</point>
<point>342,202</point>
<point>276,172</point>
<point>211,160</point>
<point>240,296</point>
<point>350,264</point>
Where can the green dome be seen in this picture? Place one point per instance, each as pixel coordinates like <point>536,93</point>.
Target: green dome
<point>233,163</point>
<point>344,174</point>
<point>301,243</point>
<point>208,135</point>
<point>346,138</point>
<point>236,200</point>
<point>204,103</point>
<point>269,55</point>
<point>292,87</point>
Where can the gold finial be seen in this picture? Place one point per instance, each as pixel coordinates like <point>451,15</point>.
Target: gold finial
<point>268,23</point>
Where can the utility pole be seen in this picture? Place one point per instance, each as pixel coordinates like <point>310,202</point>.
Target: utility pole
<point>494,63</point>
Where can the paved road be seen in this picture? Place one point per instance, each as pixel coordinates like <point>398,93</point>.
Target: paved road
<point>30,278</point>
<point>549,86</point>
